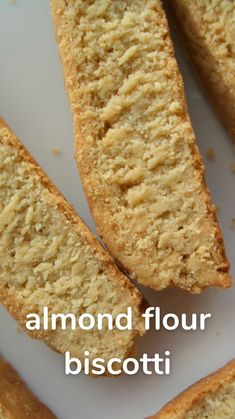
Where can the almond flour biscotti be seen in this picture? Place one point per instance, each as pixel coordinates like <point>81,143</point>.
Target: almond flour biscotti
<point>48,257</point>
<point>213,397</point>
<point>16,400</point>
<point>208,29</point>
<point>135,145</point>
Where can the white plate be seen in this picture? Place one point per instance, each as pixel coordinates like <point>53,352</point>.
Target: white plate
<point>34,103</point>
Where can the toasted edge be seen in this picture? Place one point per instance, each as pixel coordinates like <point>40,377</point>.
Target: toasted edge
<point>219,92</point>
<point>16,399</point>
<point>208,385</point>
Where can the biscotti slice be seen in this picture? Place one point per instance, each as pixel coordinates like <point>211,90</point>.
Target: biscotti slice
<point>135,145</point>
<point>49,258</point>
<point>213,397</point>
<point>16,400</point>
<point>208,29</point>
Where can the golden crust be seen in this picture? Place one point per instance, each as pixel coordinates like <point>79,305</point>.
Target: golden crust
<point>140,266</point>
<point>184,402</point>
<point>212,67</point>
<point>17,307</point>
<point>16,400</point>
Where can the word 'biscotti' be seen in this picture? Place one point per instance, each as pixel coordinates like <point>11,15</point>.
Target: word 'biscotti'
<point>213,397</point>
<point>48,257</point>
<point>16,400</point>
<point>135,146</point>
<point>208,29</point>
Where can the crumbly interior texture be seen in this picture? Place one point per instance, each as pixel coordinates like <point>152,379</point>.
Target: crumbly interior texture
<point>49,258</point>
<point>136,149</point>
<point>209,31</point>
<point>16,400</point>
<point>220,405</point>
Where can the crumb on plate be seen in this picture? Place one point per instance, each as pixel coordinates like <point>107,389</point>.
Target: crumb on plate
<point>232,168</point>
<point>210,154</point>
<point>56,151</point>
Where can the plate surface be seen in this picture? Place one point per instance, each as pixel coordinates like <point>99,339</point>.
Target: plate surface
<point>34,103</point>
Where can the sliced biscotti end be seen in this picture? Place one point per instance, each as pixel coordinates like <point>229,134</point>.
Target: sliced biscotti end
<point>16,400</point>
<point>213,397</point>
<point>49,258</point>
<point>135,146</point>
<point>208,31</point>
